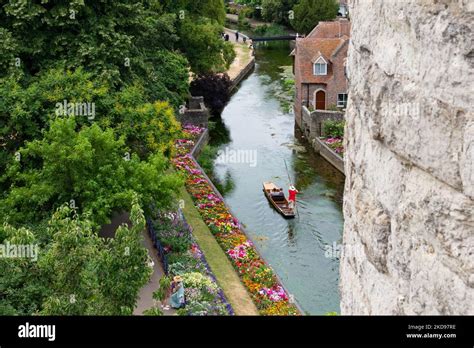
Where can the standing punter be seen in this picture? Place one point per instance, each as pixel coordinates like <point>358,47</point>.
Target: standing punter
<point>292,192</point>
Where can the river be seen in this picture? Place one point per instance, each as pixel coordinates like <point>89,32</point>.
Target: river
<point>256,123</point>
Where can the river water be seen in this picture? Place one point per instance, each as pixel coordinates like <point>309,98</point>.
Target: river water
<point>256,124</point>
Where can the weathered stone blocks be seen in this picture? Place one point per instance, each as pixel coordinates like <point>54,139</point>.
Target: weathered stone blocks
<point>409,162</point>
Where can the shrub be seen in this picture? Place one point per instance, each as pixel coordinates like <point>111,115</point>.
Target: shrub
<point>333,129</point>
<point>215,88</point>
<point>179,244</point>
<point>162,292</point>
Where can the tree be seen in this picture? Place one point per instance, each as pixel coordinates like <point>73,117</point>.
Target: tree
<point>215,88</point>
<point>308,13</point>
<point>201,42</point>
<point>148,128</point>
<point>30,104</point>
<point>90,168</point>
<point>210,9</point>
<point>278,11</point>
<point>76,273</point>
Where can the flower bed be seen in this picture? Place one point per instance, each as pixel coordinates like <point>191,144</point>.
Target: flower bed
<point>335,144</point>
<point>257,276</point>
<point>334,136</point>
<point>185,258</point>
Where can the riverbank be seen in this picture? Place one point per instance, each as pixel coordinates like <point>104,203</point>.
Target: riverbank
<point>244,61</point>
<point>262,284</point>
<point>221,267</point>
<point>256,123</point>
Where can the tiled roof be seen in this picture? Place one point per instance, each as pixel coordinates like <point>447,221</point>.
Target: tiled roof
<point>331,29</point>
<point>308,50</point>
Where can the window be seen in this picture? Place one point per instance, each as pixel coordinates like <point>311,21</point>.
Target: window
<point>342,100</point>
<point>342,11</point>
<point>320,69</point>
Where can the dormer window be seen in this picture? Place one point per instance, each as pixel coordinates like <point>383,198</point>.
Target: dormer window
<point>320,67</point>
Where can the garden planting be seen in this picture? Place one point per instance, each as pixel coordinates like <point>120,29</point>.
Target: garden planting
<point>259,279</point>
<point>203,295</point>
<point>334,136</point>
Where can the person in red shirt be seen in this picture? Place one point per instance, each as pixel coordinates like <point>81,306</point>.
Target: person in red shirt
<point>292,192</point>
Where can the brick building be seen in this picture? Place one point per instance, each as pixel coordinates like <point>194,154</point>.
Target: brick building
<point>319,67</point>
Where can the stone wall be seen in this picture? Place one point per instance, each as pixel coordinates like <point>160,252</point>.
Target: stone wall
<point>312,121</point>
<point>195,113</point>
<point>311,124</point>
<point>246,70</point>
<point>408,206</point>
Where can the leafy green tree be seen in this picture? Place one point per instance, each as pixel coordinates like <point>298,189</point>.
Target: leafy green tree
<point>210,9</point>
<point>76,273</point>
<point>29,104</point>
<point>252,3</point>
<point>110,38</point>
<point>201,42</point>
<point>22,287</point>
<point>308,13</point>
<point>89,167</point>
<point>148,128</point>
<point>278,11</point>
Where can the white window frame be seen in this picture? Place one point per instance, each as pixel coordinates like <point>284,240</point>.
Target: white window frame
<point>344,102</point>
<point>323,63</point>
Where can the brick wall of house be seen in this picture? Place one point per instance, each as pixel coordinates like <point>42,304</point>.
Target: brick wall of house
<point>337,84</point>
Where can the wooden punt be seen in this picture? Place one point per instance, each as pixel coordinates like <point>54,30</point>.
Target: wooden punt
<point>280,203</point>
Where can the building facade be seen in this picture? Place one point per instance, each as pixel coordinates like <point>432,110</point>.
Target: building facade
<point>319,67</point>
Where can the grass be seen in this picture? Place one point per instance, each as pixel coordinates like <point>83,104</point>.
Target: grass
<point>223,270</point>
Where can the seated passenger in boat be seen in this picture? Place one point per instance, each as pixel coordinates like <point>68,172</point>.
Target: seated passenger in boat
<point>278,195</point>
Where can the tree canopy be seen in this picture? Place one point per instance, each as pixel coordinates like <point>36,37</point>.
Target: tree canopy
<point>308,13</point>
<point>88,95</point>
<point>76,272</point>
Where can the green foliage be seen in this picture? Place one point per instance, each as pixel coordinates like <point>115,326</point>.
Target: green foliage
<point>131,60</point>
<point>277,11</point>
<point>252,3</point>
<point>178,244</point>
<point>147,128</point>
<point>28,109</point>
<point>201,42</point>
<point>98,35</point>
<point>162,292</point>
<point>76,272</point>
<point>90,167</point>
<point>333,129</point>
<point>228,54</point>
<point>28,104</point>
<point>308,13</point>
<point>243,23</point>
<point>210,9</point>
